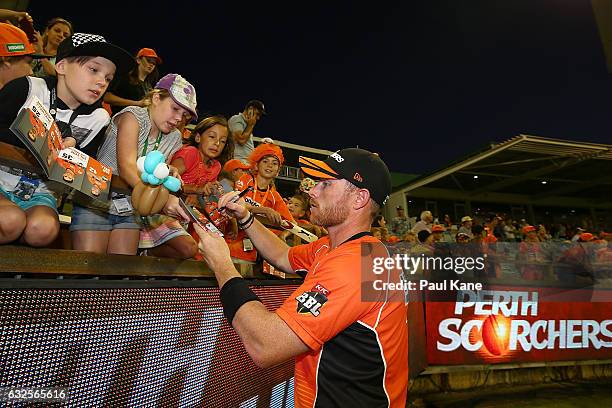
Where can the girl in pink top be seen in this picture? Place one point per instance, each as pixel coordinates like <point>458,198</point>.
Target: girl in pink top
<point>200,163</point>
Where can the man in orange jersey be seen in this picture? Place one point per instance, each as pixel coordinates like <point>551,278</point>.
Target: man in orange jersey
<point>350,349</point>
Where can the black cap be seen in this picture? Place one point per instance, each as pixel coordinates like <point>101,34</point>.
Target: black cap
<point>360,167</point>
<point>93,45</point>
<point>259,105</point>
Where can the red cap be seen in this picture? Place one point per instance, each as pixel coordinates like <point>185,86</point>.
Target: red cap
<point>149,52</point>
<point>14,42</point>
<point>393,239</point>
<point>586,236</point>
<point>528,228</point>
<point>437,228</point>
<point>234,164</point>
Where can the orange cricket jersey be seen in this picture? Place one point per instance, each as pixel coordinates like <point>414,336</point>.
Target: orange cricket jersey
<point>270,198</point>
<point>358,350</point>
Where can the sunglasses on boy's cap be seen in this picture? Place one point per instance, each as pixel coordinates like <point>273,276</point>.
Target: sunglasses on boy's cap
<point>93,45</point>
<point>360,167</point>
<point>14,43</point>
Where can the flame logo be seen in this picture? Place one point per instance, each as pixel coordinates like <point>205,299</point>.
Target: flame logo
<point>496,334</point>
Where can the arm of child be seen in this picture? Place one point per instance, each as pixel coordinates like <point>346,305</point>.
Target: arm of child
<point>127,147</point>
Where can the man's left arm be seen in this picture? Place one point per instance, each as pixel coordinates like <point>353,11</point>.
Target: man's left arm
<point>266,337</point>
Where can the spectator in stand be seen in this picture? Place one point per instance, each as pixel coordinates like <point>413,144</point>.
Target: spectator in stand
<point>436,232</point>
<point>531,255</point>
<point>447,221</point>
<point>110,226</point>
<point>131,89</point>
<point>400,224</point>
<point>576,262</point>
<point>241,128</point>
<point>510,230</point>
<point>466,226</point>
<point>576,236</point>
<point>85,66</point>
<point>543,235</point>
<point>199,165</point>
<point>497,226</point>
<point>379,221</point>
<point>264,201</point>
<point>425,224</point>
<point>16,59</point>
<point>376,233</point>
<point>462,238</point>
<point>409,236</point>
<point>424,245</point>
<point>56,31</point>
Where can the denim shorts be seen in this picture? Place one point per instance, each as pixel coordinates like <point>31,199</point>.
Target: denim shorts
<point>86,219</point>
<point>44,199</point>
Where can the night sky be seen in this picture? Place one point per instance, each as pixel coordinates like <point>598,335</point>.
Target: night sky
<point>421,83</point>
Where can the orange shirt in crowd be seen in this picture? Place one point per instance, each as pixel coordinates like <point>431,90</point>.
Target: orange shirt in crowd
<point>268,198</point>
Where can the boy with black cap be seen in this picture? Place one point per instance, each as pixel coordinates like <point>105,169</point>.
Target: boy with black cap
<point>241,128</point>
<point>85,65</point>
<point>350,348</point>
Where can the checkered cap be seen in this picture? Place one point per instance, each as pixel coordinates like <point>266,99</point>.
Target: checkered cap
<point>94,45</point>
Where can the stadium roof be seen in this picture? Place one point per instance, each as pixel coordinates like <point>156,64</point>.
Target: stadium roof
<point>535,169</point>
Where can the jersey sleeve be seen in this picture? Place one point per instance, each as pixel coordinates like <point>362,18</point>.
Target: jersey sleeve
<point>327,302</point>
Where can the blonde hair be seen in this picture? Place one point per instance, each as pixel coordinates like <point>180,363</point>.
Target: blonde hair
<point>148,99</point>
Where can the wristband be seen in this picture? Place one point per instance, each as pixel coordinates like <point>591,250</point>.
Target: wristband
<point>248,218</point>
<point>234,294</point>
<point>246,224</point>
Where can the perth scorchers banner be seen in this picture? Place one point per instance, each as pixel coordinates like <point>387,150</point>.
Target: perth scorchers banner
<point>519,324</point>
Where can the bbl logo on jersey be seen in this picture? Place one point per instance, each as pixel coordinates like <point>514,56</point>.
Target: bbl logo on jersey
<point>313,300</point>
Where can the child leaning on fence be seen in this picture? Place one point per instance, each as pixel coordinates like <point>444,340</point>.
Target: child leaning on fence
<point>85,65</point>
<point>111,227</point>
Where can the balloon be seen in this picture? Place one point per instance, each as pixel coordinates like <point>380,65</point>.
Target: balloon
<point>140,164</point>
<point>148,196</point>
<point>147,200</point>
<point>137,193</point>
<point>173,184</point>
<point>151,179</point>
<point>152,159</point>
<point>161,171</point>
<point>160,200</point>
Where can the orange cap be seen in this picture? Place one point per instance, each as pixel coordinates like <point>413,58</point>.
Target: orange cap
<point>393,239</point>
<point>263,150</point>
<point>437,228</point>
<point>14,42</point>
<point>586,236</point>
<point>528,228</point>
<point>150,53</point>
<point>234,164</point>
